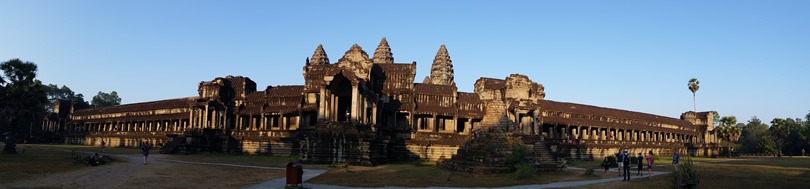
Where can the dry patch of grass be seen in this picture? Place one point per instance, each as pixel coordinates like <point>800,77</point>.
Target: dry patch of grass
<point>180,175</point>
<point>35,163</point>
<point>408,174</point>
<point>735,173</point>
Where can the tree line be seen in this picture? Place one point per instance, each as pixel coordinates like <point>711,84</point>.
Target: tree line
<point>788,136</point>
<point>25,100</point>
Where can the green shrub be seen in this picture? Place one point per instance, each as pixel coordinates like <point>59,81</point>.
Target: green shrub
<point>333,165</point>
<point>519,154</point>
<point>633,160</point>
<point>656,157</point>
<point>524,170</point>
<point>687,170</point>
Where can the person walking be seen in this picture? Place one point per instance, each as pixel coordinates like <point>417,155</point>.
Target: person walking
<point>620,161</point>
<point>640,164</point>
<point>626,168</point>
<point>103,144</point>
<point>675,160</point>
<point>145,151</point>
<point>650,162</point>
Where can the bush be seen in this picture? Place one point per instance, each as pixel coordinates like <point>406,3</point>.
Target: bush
<point>519,154</point>
<point>524,170</point>
<point>633,160</point>
<point>613,162</point>
<point>656,157</point>
<point>686,169</point>
<point>333,165</point>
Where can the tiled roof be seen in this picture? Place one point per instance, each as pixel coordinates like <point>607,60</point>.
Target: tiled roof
<point>635,117</point>
<point>286,91</point>
<point>162,104</point>
<point>469,105</point>
<point>432,89</point>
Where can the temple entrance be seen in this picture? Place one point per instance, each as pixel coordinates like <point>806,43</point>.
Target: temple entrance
<point>341,89</point>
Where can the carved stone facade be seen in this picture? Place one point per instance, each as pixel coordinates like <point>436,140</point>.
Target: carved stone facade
<point>369,111</point>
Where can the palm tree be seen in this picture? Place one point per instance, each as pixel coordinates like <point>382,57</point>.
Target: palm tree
<point>780,131</point>
<point>23,97</point>
<point>729,130</point>
<point>693,86</point>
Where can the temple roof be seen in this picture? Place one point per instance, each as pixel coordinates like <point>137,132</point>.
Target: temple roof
<point>588,110</point>
<point>469,105</point>
<point>319,56</point>
<point>441,72</point>
<point>383,55</point>
<point>433,89</point>
<point>154,105</point>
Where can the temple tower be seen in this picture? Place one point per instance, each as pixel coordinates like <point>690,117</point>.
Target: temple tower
<point>319,56</point>
<point>383,53</point>
<point>441,73</point>
<point>357,61</point>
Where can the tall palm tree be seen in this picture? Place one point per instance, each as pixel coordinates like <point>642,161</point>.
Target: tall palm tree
<point>23,97</point>
<point>730,131</point>
<point>693,86</point>
<point>780,131</point>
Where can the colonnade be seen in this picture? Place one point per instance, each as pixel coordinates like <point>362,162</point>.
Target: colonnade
<point>615,134</point>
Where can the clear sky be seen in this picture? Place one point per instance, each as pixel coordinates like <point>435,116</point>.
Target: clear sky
<point>752,57</point>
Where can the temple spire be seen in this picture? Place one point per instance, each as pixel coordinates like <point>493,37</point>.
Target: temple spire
<point>441,72</point>
<point>319,56</point>
<point>383,53</point>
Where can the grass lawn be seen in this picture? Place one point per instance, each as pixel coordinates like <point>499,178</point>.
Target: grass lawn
<point>409,174</point>
<point>36,162</point>
<point>735,173</point>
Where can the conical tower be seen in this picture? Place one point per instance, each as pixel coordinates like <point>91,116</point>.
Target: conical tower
<point>319,56</point>
<point>383,53</point>
<point>441,73</point>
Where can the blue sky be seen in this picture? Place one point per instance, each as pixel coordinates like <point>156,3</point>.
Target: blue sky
<point>752,57</point>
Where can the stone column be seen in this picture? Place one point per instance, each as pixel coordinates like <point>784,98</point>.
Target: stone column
<point>355,104</point>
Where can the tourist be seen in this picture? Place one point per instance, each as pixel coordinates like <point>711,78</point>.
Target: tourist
<point>640,164</point>
<point>103,144</point>
<point>626,168</point>
<point>348,116</point>
<point>675,160</point>
<point>802,151</point>
<point>620,161</point>
<point>606,163</point>
<point>145,151</point>
<point>650,161</point>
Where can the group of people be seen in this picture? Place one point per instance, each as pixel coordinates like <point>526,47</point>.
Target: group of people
<point>624,161</point>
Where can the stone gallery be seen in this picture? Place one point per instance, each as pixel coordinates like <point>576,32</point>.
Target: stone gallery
<point>368,111</point>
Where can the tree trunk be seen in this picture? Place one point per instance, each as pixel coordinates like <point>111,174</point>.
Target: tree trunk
<point>694,102</point>
<point>11,138</point>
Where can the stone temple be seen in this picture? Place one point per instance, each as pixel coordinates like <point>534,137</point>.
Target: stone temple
<point>368,110</point>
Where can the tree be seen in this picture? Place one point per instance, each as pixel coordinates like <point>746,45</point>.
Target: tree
<point>752,134</point>
<point>63,93</point>
<point>715,118</point>
<point>106,99</point>
<point>779,130</point>
<point>23,98</point>
<point>767,145</point>
<point>729,131</point>
<point>693,86</point>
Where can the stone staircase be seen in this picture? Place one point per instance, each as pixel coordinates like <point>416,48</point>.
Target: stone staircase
<point>541,150</point>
